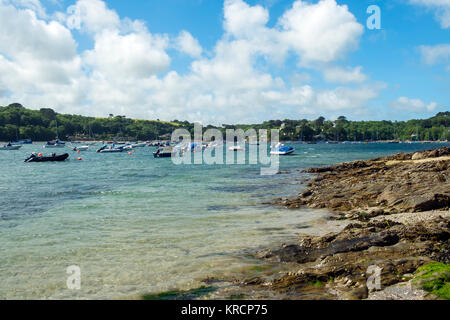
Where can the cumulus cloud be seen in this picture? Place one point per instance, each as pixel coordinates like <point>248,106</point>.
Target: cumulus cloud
<point>413,105</point>
<point>127,71</point>
<point>321,32</point>
<point>438,54</point>
<point>136,55</point>
<point>344,75</point>
<point>441,9</point>
<point>186,43</point>
<point>91,16</point>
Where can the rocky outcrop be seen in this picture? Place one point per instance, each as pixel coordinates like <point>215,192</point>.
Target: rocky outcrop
<point>378,195</point>
<point>394,184</point>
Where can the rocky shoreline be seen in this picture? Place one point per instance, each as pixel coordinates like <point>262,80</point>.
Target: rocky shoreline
<point>399,212</point>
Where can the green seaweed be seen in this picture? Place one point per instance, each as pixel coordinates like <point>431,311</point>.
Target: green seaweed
<point>180,295</point>
<point>435,278</point>
<point>317,283</point>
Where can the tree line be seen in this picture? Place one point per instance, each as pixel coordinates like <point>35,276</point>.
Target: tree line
<point>17,122</point>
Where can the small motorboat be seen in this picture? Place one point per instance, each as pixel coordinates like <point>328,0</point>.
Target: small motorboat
<point>282,150</point>
<point>55,144</point>
<point>26,141</point>
<point>111,149</point>
<point>236,148</point>
<point>139,145</point>
<point>52,158</point>
<point>81,148</point>
<point>10,146</point>
<point>165,152</point>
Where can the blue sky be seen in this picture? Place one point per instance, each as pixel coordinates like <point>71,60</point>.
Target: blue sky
<point>228,61</point>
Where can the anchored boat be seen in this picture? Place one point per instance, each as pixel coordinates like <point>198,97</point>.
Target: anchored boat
<point>9,146</point>
<point>282,150</point>
<point>111,149</point>
<point>55,144</point>
<point>165,152</point>
<point>52,158</point>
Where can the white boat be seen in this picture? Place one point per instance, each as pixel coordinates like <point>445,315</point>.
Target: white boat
<point>8,147</point>
<point>55,144</point>
<point>111,149</point>
<point>282,150</point>
<point>81,148</point>
<point>236,148</point>
<point>138,145</point>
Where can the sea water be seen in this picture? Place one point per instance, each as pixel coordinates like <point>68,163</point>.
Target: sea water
<point>134,224</point>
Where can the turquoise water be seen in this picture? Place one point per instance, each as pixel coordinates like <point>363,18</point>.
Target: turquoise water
<point>135,224</point>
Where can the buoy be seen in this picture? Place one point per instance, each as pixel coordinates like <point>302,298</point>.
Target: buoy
<point>78,151</point>
<point>130,153</point>
<point>79,159</point>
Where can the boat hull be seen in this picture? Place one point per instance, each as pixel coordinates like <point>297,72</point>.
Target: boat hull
<point>282,152</point>
<point>82,148</point>
<point>9,148</point>
<point>163,155</point>
<point>56,158</point>
<point>48,146</point>
<point>112,151</point>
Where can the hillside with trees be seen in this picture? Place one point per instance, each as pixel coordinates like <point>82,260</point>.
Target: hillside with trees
<point>17,122</point>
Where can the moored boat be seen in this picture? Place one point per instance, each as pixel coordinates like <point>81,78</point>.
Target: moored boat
<point>111,149</point>
<point>282,150</point>
<point>236,148</point>
<point>165,152</point>
<point>54,144</point>
<point>9,146</point>
<point>52,158</point>
<point>81,148</point>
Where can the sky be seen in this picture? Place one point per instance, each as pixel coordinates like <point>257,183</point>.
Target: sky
<point>226,62</point>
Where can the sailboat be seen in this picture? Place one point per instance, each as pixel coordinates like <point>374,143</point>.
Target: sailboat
<point>57,143</point>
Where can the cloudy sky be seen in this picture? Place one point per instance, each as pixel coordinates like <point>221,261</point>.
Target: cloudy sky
<point>229,61</point>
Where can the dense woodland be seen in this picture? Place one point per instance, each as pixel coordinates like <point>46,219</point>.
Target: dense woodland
<point>17,122</point>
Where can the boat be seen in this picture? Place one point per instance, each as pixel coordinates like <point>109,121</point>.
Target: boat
<point>52,158</point>
<point>236,148</point>
<point>111,149</point>
<point>55,144</point>
<point>9,146</point>
<point>282,150</point>
<point>81,148</point>
<point>26,141</point>
<point>139,145</point>
<point>165,152</point>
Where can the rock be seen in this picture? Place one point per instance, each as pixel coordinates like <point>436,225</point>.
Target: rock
<point>419,156</point>
<point>358,293</point>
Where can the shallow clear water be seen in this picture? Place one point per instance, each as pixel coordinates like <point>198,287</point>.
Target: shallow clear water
<point>135,224</point>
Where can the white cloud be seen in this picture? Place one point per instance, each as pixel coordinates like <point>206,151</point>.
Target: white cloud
<point>135,55</point>
<point>186,43</point>
<point>438,54</point>
<point>91,16</point>
<point>38,60</point>
<point>128,69</point>
<point>321,32</point>
<point>441,9</point>
<point>22,33</point>
<point>347,75</point>
<point>413,105</point>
